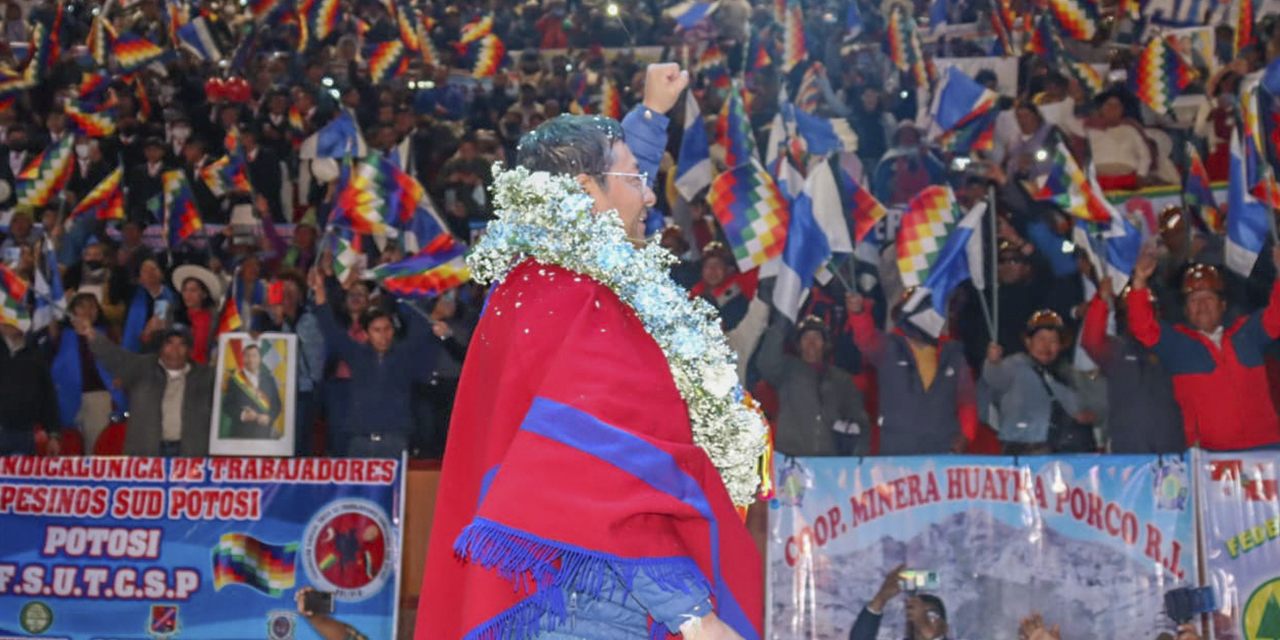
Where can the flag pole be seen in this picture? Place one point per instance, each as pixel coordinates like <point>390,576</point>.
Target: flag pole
<point>835,271</point>
<point>993,314</point>
<point>986,315</point>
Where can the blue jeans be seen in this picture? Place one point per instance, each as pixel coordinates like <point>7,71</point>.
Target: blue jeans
<point>375,445</point>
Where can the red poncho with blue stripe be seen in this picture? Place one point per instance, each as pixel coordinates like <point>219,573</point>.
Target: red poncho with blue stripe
<point>571,464</point>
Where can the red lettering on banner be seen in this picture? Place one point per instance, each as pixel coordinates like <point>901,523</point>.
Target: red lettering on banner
<point>1006,476</point>
<point>903,493</point>
<point>1153,543</point>
<point>54,500</point>
<point>115,469</point>
<point>309,470</point>
<point>1174,558</point>
<point>1041,500</point>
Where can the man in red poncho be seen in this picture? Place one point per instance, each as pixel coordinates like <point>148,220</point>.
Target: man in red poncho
<point>574,502</point>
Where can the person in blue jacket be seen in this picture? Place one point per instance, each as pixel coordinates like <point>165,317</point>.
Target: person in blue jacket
<point>379,415</point>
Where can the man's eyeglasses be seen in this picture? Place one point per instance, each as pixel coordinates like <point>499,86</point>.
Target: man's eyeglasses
<point>643,177</point>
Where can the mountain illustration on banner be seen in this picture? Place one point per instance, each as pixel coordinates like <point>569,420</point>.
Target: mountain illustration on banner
<point>988,571</point>
<point>1267,626</point>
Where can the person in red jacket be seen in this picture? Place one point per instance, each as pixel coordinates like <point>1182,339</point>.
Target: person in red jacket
<point>1219,376</point>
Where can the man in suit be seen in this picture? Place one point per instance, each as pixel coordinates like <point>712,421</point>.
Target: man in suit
<point>252,399</point>
<point>170,396</point>
<point>14,156</point>
<point>263,170</point>
<point>146,184</point>
<point>273,123</point>
<point>208,205</point>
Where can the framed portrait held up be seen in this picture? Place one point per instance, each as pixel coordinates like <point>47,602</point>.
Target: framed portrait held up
<point>253,405</point>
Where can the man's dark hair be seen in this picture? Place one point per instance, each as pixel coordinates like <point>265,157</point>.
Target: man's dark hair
<point>372,314</point>
<point>570,144</point>
<point>934,602</point>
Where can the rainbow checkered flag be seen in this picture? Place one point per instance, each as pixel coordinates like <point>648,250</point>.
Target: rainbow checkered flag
<point>793,49</point>
<point>610,100</point>
<point>181,220</point>
<point>101,39</point>
<point>345,256</point>
<point>752,212</point>
<point>13,306</point>
<point>905,49</point>
<point>475,31</point>
<point>407,22</point>
<point>1044,40</point>
<point>226,174</point>
<point>1260,182</point>
<point>44,53</point>
<point>134,52</point>
<point>489,55</point>
<point>47,174</point>
<point>387,60</point>
<point>1243,13</point>
<point>1197,193</point>
<point>105,201</point>
<point>1160,75</point>
<point>964,113</point>
<point>319,18</point>
<point>809,93</point>
<point>733,131</point>
<point>242,559</point>
<point>1069,187</point>
<point>1088,77</point>
<point>89,121</point>
<point>1078,18</point>
<point>929,220</point>
<point>434,270</point>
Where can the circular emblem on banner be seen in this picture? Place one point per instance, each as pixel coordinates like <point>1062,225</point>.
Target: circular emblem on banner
<point>1171,487</point>
<point>35,617</point>
<point>1262,612</point>
<point>347,549</point>
<point>280,625</point>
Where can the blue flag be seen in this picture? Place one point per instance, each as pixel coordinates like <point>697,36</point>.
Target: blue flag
<point>852,20</point>
<point>338,139</point>
<point>938,14</point>
<point>693,168</point>
<point>806,251</point>
<point>1247,225</point>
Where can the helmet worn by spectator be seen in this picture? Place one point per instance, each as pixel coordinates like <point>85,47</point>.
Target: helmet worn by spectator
<point>1045,319</point>
<point>1202,277</point>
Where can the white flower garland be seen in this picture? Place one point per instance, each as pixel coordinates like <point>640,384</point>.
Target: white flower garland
<point>549,218</point>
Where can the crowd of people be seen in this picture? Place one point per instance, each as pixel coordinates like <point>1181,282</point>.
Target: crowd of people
<point>1185,355</point>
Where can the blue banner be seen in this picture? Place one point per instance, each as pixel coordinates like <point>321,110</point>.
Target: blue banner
<point>198,548</point>
<point>1089,542</point>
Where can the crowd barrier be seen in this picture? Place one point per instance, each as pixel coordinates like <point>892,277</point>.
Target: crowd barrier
<point>197,548</point>
<point>1091,542</point>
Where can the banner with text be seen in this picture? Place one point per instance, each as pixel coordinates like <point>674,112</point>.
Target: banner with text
<point>1090,542</point>
<point>197,548</point>
<point>1240,506</point>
